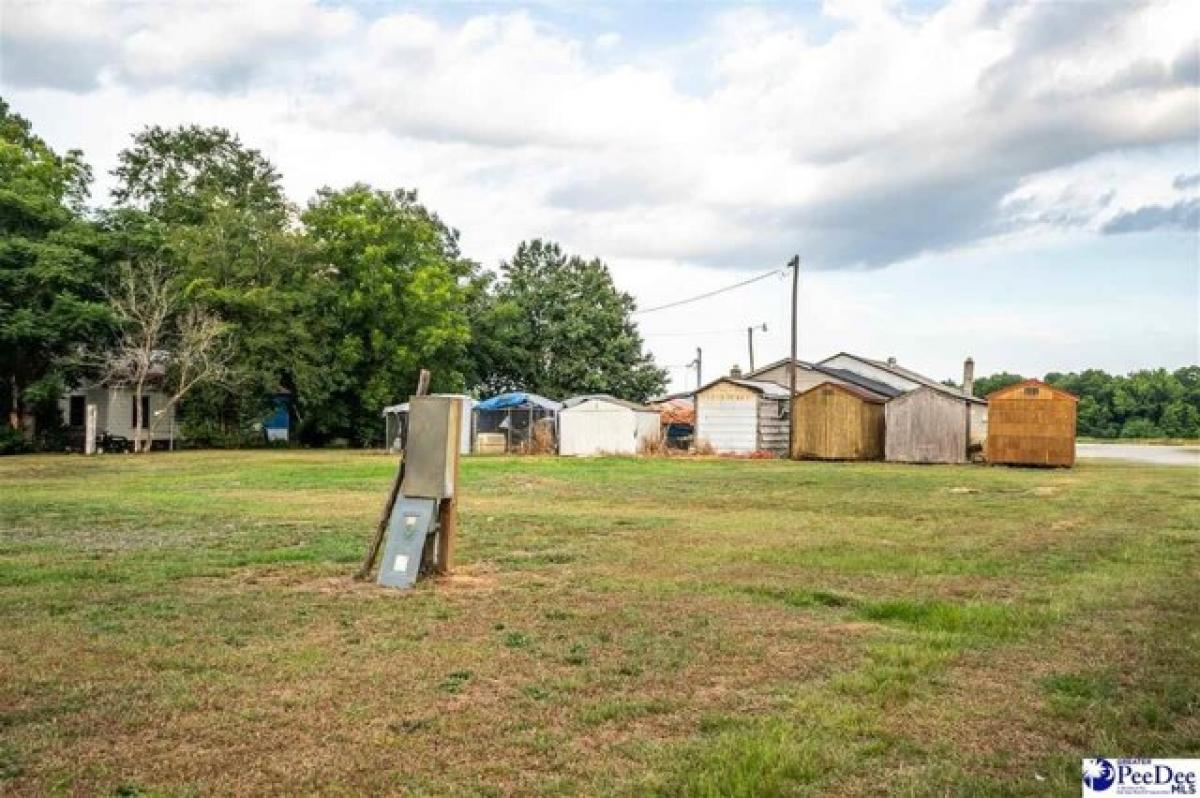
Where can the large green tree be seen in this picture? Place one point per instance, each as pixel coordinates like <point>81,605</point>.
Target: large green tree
<point>394,299</point>
<point>51,298</point>
<point>556,325</point>
<point>230,236</point>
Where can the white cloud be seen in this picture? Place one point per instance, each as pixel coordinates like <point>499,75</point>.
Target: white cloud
<point>874,138</point>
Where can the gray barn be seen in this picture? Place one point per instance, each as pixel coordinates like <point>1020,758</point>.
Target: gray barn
<point>926,425</point>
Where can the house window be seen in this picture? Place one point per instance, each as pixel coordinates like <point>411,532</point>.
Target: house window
<point>1031,391</point>
<point>133,415</point>
<point>76,410</point>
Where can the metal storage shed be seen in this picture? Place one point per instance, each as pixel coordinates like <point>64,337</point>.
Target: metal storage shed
<point>600,424</point>
<point>834,421</point>
<point>1031,423</point>
<point>926,426</point>
<point>742,416</point>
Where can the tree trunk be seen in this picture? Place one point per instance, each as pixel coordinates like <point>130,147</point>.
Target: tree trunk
<point>14,410</point>
<point>138,421</point>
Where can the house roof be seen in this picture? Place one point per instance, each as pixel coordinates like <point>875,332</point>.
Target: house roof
<point>854,390</point>
<point>1038,383</point>
<point>575,401</point>
<point>842,374</point>
<point>908,374</point>
<point>770,390</point>
<point>781,362</point>
<point>874,386</point>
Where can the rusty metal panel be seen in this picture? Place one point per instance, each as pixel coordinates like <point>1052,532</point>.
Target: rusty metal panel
<point>432,451</point>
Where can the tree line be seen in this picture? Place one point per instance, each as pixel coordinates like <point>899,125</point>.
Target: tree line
<point>202,274</point>
<point>1152,403</point>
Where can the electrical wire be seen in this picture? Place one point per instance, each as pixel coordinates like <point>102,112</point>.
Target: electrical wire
<point>676,333</point>
<point>708,294</point>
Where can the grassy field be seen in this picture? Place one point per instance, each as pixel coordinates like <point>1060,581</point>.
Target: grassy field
<point>184,624</point>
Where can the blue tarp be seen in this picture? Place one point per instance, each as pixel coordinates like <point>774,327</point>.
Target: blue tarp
<point>506,401</point>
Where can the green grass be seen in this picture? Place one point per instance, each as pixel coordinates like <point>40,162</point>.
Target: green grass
<point>184,624</point>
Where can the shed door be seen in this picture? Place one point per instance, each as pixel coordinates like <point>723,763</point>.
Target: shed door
<point>728,422</point>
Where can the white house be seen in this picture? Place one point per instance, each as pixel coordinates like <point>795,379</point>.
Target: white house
<point>115,414</point>
<point>600,424</point>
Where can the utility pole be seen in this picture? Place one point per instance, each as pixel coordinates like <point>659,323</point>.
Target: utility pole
<point>699,372</point>
<point>750,340</point>
<point>795,266</point>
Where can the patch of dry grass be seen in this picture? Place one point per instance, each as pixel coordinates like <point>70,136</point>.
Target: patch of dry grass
<point>185,624</point>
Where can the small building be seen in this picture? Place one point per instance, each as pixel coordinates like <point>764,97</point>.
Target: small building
<point>595,424</point>
<point>528,422</point>
<point>115,417</point>
<point>739,416</point>
<point>836,421</point>
<point>1031,423</point>
<point>926,426</point>
<point>395,420</point>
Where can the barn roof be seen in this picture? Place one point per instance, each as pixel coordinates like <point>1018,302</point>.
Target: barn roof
<point>853,390</point>
<point>574,401</point>
<point>908,374</point>
<point>769,390</point>
<point>1038,383</point>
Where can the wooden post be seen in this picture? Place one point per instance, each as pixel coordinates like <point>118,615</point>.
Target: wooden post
<point>750,341</point>
<point>795,266</point>
<point>368,563</point>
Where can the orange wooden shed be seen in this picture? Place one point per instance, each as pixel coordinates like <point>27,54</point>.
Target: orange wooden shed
<point>1031,423</point>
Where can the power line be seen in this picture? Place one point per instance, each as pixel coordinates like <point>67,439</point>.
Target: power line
<point>675,333</point>
<point>708,294</point>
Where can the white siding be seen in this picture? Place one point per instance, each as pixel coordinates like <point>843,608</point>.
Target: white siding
<point>979,421</point>
<point>649,427</point>
<point>728,423</point>
<point>597,427</point>
<point>118,420</point>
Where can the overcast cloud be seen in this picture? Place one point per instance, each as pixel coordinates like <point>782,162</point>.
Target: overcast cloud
<point>866,133</point>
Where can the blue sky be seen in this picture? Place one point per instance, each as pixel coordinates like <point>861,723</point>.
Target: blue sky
<point>1017,181</point>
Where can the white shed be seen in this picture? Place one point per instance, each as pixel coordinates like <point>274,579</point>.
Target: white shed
<point>601,424</point>
<point>743,416</point>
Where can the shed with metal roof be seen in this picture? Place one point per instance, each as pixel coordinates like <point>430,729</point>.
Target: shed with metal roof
<point>738,416</point>
<point>594,424</point>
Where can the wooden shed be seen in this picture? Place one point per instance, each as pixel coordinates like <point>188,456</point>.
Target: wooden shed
<point>739,416</point>
<point>926,426</point>
<point>833,421</point>
<point>1031,423</point>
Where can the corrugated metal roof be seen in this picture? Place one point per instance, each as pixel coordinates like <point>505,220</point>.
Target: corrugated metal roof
<point>861,393</point>
<point>909,374</point>
<point>768,389</point>
<point>874,386</point>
